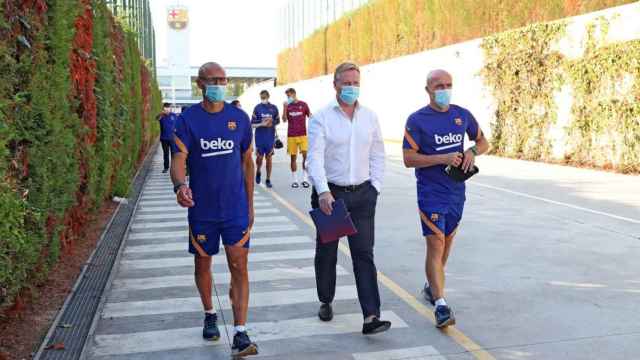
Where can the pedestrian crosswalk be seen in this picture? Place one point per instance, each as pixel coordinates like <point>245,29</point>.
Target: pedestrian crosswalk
<point>152,305</point>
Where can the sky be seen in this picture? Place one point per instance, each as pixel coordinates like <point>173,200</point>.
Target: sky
<point>245,31</point>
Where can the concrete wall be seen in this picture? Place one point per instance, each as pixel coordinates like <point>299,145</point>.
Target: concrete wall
<point>395,88</point>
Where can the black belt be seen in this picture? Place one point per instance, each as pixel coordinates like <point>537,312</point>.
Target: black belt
<point>349,188</point>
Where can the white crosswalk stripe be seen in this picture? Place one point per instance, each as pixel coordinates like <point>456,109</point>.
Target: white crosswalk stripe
<point>181,214</point>
<point>181,244</point>
<point>163,209</point>
<point>194,304</point>
<point>166,224</point>
<point>281,273</point>
<point>163,340</point>
<point>152,203</point>
<point>257,229</point>
<point>171,197</point>
<point>415,353</point>
<point>164,205</point>
<point>187,260</point>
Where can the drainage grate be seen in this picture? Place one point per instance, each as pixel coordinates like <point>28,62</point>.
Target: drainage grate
<point>73,324</point>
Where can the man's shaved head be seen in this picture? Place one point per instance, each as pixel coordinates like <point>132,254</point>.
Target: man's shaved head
<point>437,74</point>
<point>207,67</point>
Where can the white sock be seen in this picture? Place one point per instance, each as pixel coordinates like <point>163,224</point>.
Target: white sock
<point>305,175</point>
<point>441,302</point>
<point>294,176</point>
<point>212,311</point>
<point>426,283</point>
<point>240,328</point>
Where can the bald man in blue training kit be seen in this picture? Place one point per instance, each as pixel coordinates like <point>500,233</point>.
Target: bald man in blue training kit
<point>433,140</point>
<point>214,138</point>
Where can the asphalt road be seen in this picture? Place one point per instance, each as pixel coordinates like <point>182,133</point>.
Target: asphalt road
<point>545,266</point>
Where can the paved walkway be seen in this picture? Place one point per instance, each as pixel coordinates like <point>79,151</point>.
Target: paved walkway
<point>545,266</point>
<point>152,308</point>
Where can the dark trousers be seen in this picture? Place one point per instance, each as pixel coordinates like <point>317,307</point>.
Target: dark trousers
<point>362,206</point>
<point>166,152</point>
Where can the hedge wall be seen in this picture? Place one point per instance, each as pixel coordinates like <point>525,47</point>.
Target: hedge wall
<point>524,74</point>
<point>75,105</point>
<point>384,29</point>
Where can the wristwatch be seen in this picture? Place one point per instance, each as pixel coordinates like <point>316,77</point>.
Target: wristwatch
<point>177,187</point>
<point>474,150</point>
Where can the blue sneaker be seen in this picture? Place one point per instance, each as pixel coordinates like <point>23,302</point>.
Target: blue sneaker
<point>258,176</point>
<point>210,330</point>
<point>242,345</point>
<point>268,183</point>
<point>444,316</point>
<point>428,295</point>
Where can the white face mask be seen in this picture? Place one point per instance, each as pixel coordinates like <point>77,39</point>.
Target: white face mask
<point>264,101</point>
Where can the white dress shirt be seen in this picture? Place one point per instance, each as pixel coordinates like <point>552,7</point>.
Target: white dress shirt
<point>345,151</point>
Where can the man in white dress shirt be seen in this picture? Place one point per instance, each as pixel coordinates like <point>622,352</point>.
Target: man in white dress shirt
<point>346,161</point>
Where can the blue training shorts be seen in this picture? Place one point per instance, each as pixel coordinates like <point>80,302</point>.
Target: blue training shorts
<point>204,236</point>
<point>265,148</point>
<point>442,222</point>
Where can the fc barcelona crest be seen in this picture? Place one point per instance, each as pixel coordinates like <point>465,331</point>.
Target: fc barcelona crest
<point>458,121</point>
<point>178,18</point>
<point>232,125</point>
<point>434,217</point>
<point>201,238</point>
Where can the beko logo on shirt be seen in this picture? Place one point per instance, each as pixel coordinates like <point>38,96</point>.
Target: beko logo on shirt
<point>220,145</point>
<point>450,140</point>
<point>295,113</point>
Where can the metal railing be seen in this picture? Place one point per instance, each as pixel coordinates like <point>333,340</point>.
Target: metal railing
<point>300,18</point>
<point>137,14</point>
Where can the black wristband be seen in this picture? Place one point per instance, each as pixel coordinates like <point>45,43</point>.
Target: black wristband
<point>177,187</point>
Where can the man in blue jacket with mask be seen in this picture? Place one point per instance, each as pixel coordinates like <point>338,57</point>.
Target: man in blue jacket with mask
<point>167,121</point>
<point>265,118</point>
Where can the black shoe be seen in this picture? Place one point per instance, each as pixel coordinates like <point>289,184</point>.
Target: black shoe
<point>258,176</point>
<point>165,171</point>
<point>268,183</point>
<point>444,316</point>
<point>210,330</point>
<point>295,185</point>
<point>242,345</point>
<point>326,312</point>
<point>305,184</point>
<point>428,295</point>
<point>375,326</point>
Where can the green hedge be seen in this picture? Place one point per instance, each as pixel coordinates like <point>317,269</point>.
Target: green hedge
<point>524,73</point>
<point>384,29</point>
<point>66,144</point>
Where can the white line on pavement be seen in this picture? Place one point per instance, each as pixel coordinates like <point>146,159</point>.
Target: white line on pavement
<point>162,340</point>
<point>181,244</point>
<point>257,229</point>
<point>159,282</point>
<point>187,260</point>
<point>415,353</point>
<point>576,207</point>
<point>181,214</point>
<point>193,304</point>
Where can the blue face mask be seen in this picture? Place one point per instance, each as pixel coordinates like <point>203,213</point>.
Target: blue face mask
<point>443,97</point>
<point>349,94</point>
<point>215,93</point>
<point>290,100</point>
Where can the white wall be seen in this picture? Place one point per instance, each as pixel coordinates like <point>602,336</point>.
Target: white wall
<point>395,88</point>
